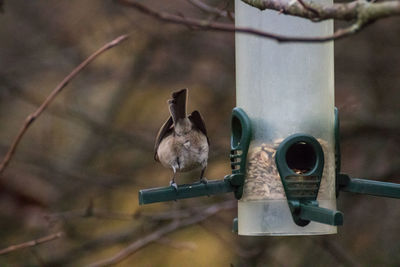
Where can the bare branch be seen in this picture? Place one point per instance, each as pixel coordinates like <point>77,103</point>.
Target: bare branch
<point>225,27</point>
<point>32,117</point>
<point>210,9</point>
<point>356,10</point>
<point>31,243</point>
<point>306,6</point>
<point>156,235</point>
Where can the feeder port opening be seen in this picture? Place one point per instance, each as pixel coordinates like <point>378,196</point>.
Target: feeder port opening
<point>301,157</point>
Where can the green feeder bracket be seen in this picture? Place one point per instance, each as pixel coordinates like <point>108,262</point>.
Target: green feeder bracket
<point>300,163</point>
<point>235,226</point>
<point>240,140</point>
<point>368,187</point>
<point>361,186</point>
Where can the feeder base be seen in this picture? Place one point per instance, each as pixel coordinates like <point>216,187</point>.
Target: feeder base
<point>273,217</point>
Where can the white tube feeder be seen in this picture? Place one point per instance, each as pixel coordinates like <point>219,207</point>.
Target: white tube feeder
<point>285,89</point>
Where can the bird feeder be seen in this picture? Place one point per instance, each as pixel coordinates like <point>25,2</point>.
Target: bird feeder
<point>285,149</point>
<point>287,91</point>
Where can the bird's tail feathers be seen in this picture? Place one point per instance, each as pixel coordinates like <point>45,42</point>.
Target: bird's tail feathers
<point>177,105</point>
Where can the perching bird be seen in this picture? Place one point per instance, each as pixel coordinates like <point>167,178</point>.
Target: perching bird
<point>182,143</point>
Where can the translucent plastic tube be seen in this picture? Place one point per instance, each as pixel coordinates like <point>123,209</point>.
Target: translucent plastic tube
<point>285,89</point>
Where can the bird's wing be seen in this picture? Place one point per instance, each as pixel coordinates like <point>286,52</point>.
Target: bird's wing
<point>164,130</point>
<point>198,121</point>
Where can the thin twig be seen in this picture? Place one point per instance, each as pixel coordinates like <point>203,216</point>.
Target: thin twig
<point>210,9</point>
<point>31,243</point>
<point>156,235</point>
<point>32,117</point>
<point>226,27</point>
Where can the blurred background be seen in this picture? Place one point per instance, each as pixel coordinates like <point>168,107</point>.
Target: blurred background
<point>80,166</point>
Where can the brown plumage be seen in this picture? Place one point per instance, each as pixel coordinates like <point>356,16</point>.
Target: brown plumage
<point>182,143</point>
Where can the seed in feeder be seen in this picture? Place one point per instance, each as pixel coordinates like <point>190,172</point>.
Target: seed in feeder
<point>263,180</point>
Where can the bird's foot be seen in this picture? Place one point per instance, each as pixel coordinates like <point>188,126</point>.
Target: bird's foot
<point>174,185</point>
<point>203,180</point>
